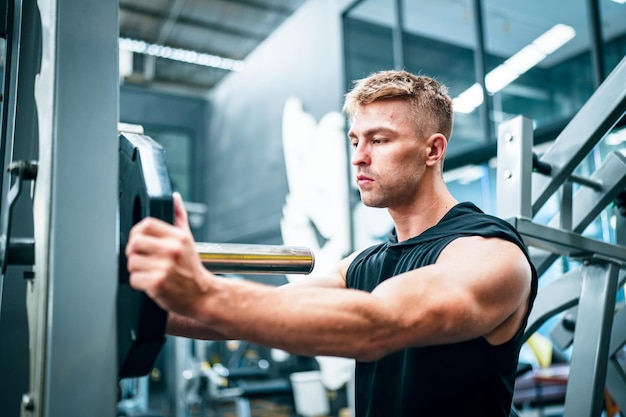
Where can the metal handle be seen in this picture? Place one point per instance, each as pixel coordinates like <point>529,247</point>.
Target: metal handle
<point>255,259</point>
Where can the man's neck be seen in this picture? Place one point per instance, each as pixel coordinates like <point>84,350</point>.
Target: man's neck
<point>422,215</point>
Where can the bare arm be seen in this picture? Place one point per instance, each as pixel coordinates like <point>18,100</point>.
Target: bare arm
<point>478,287</point>
<point>185,326</point>
<point>459,298</point>
<point>179,325</point>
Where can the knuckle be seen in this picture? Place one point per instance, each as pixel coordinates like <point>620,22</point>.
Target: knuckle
<point>174,250</point>
<point>159,281</point>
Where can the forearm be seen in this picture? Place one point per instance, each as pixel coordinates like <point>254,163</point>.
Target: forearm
<point>184,326</point>
<point>303,320</point>
<point>178,325</point>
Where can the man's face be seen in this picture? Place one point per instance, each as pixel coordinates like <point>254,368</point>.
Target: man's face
<point>388,155</point>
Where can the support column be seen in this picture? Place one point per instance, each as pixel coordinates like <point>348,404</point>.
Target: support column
<point>590,354</point>
<point>514,172</point>
<point>71,302</point>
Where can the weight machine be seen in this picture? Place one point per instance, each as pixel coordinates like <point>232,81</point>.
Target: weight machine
<point>594,325</point>
<point>89,183</point>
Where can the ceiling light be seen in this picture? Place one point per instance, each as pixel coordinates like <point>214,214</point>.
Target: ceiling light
<point>507,72</point>
<point>500,77</point>
<point>182,55</point>
<point>469,99</point>
<point>553,39</point>
<point>620,1</point>
<point>525,59</point>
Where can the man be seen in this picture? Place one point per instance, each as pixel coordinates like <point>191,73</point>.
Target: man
<point>434,316</point>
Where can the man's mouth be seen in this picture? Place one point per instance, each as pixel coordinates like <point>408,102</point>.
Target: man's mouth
<point>363,180</point>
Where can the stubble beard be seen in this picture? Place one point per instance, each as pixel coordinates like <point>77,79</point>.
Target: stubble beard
<point>375,199</point>
<point>394,196</point>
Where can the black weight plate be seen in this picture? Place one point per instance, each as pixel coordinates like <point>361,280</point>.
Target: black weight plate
<point>144,190</point>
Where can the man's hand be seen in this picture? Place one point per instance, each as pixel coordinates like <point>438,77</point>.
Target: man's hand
<point>163,262</point>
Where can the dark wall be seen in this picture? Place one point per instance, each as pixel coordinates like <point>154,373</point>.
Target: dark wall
<point>245,163</point>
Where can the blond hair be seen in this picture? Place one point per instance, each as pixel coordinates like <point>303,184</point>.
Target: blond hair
<point>430,100</point>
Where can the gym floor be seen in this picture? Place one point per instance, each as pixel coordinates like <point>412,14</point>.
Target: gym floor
<point>266,408</point>
<point>258,408</point>
<point>547,411</point>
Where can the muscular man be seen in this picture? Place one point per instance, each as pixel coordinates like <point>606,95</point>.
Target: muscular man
<point>434,316</point>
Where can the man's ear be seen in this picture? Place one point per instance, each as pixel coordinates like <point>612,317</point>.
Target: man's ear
<point>437,145</point>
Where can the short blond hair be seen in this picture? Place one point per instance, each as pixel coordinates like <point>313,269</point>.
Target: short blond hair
<point>431,103</point>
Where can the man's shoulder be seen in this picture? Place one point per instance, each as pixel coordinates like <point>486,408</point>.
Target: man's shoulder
<point>468,218</point>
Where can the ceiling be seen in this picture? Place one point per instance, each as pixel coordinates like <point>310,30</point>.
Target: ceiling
<point>232,29</point>
<point>224,28</point>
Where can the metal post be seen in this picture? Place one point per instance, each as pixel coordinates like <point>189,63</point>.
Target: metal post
<point>567,193</point>
<point>588,369</point>
<point>514,172</point>
<point>596,43</point>
<point>480,67</point>
<point>615,377</point>
<point>398,36</point>
<point>71,306</point>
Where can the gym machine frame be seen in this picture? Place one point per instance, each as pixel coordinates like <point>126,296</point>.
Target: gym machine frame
<point>75,298</point>
<point>524,184</point>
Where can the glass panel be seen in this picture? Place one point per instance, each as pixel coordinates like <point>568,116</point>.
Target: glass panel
<point>177,146</point>
<point>446,54</point>
<point>538,58</point>
<point>538,62</point>
<point>473,183</point>
<point>368,38</point>
<point>368,47</point>
<point>613,18</point>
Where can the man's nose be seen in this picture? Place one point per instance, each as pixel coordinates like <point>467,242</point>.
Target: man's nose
<point>360,155</point>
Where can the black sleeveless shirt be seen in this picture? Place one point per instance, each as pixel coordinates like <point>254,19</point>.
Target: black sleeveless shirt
<point>470,378</point>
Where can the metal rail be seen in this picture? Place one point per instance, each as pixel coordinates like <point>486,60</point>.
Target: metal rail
<point>604,109</point>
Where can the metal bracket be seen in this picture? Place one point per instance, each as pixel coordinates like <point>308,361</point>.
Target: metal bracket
<point>16,251</point>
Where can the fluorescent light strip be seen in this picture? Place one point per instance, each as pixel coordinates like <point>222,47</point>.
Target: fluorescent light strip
<point>182,55</point>
<point>504,74</point>
<point>620,1</point>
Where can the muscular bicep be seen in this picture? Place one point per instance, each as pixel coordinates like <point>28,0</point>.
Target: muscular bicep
<point>477,287</point>
<point>498,280</point>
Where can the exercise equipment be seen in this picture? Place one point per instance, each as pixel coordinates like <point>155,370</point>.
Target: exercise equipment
<point>592,322</point>
<point>145,190</point>
<point>238,373</point>
<point>75,302</point>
